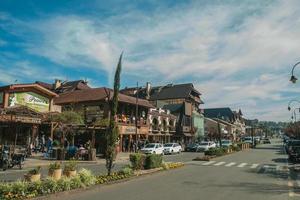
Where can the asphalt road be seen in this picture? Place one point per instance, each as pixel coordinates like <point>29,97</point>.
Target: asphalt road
<point>256,174</point>
<point>15,174</point>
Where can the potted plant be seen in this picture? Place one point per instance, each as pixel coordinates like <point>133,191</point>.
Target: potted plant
<point>33,175</point>
<point>70,168</point>
<point>55,170</point>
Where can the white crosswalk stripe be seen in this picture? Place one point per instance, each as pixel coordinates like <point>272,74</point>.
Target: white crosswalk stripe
<point>242,165</point>
<point>230,164</point>
<point>253,166</point>
<point>219,163</point>
<point>209,163</point>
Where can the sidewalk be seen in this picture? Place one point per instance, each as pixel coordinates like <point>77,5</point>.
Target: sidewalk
<point>38,160</point>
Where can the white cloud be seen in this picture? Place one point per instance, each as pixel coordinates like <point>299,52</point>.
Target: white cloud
<point>237,55</point>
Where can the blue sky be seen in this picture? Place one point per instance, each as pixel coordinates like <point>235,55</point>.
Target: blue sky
<point>237,53</point>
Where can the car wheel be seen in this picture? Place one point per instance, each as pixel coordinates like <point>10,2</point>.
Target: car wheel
<point>154,152</point>
<point>179,151</point>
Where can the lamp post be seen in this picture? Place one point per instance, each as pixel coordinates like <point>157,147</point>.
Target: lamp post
<point>290,102</point>
<point>136,116</point>
<point>293,78</point>
<point>294,115</point>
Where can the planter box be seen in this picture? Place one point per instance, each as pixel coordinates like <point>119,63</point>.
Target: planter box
<point>55,174</point>
<point>70,173</point>
<point>32,177</point>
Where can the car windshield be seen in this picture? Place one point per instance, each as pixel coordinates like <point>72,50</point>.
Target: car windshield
<point>168,145</point>
<point>150,146</point>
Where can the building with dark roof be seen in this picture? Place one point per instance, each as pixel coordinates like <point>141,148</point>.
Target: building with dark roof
<point>65,86</point>
<point>183,100</point>
<point>236,123</point>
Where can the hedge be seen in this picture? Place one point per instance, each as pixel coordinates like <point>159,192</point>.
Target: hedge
<point>216,151</point>
<point>153,161</point>
<point>142,161</point>
<point>137,160</point>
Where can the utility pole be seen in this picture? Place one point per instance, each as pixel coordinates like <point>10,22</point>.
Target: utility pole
<point>252,135</point>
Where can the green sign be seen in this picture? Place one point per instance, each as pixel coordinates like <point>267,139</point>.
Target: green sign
<point>29,99</point>
<point>1,97</point>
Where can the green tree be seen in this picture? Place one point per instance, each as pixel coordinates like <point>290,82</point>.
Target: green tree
<point>112,132</point>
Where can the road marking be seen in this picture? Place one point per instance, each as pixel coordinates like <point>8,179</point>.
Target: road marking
<point>254,166</point>
<point>290,184</point>
<point>219,163</point>
<point>230,164</point>
<point>208,163</point>
<point>242,165</point>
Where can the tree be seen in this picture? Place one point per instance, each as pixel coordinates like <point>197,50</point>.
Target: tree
<point>65,121</point>
<point>112,132</point>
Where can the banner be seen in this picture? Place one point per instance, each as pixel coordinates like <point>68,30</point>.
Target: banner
<point>31,100</point>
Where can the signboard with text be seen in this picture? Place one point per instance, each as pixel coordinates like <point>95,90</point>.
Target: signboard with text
<point>29,99</point>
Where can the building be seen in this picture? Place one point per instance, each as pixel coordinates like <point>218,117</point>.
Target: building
<point>94,104</point>
<point>183,101</point>
<point>22,108</point>
<point>233,120</point>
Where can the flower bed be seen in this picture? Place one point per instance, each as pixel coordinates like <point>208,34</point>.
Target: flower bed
<point>24,190</point>
<point>173,165</point>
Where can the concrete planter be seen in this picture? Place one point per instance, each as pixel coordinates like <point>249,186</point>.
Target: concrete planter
<point>32,177</point>
<point>70,173</point>
<point>55,174</point>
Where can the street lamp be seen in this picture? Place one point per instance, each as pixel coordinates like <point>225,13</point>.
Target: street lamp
<point>293,78</point>
<point>294,115</point>
<point>290,102</point>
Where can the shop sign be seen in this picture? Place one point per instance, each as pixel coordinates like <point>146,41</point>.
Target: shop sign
<point>28,120</point>
<point>30,99</point>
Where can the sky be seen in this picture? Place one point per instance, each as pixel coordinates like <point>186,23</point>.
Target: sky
<point>238,54</point>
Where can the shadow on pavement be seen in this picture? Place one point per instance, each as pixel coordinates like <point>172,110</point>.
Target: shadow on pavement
<point>279,160</point>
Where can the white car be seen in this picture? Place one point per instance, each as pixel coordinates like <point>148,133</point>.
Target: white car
<point>204,146</point>
<point>153,148</point>
<point>171,148</point>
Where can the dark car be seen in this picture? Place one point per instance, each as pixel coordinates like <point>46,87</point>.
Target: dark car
<point>266,141</point>
<point>294,154</point>
<point>290,144</point>
<point>193,147</point>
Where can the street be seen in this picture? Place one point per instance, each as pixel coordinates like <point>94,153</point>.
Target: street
<point>15,174</point>
<point>259,173</point>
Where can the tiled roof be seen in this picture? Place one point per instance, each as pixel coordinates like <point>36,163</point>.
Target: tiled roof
<point>173,91</point>
<point>96,94</point>
<point>222,113</point>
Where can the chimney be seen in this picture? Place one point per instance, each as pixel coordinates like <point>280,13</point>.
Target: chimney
<point>57,83</point>
<point>148,90</point>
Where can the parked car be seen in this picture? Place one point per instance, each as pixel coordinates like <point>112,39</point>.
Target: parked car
<point>247,140</point>
<point>290,144</point>
<point>204,146</point>
<point>171,148</point>
<point>192,147</point>
<point>266,141</point>
<point>153,148</point>
<point>294,154</point>
<point>226,143</point>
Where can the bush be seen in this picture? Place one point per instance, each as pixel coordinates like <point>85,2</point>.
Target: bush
<point>126,171</point>
<point>35,171</point>
<point>70,166</point>
<point>215,151</point>
<point>153,161</point>
<point>236,148</point>
<point>54,166</point>
<point>137,160</point>
<point>86,177</point>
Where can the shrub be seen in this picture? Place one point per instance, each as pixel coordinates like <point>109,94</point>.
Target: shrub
<point>54,166</point>
<point>126,171</point>
<point>70,166</point>
<point>137,160</point>
<point>153,161</point>
<point>35,171</point>
<point>86,177</point>
<point>236,148</point>
<point>215,151</point>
